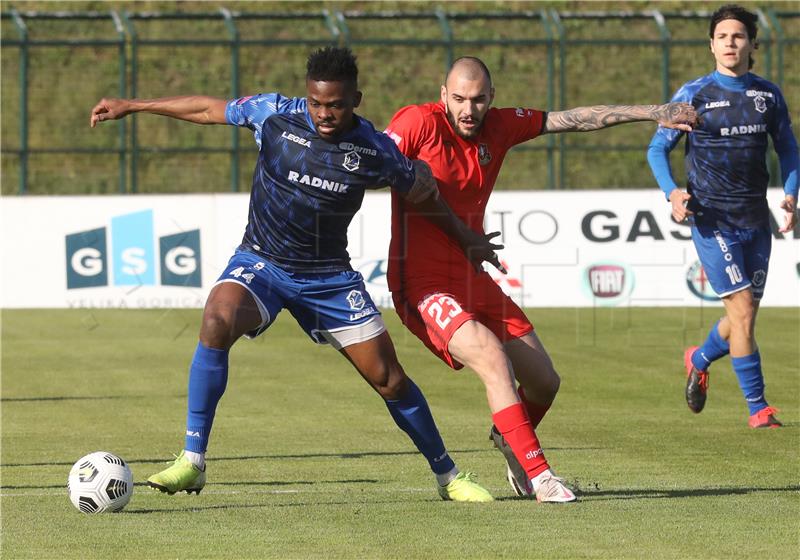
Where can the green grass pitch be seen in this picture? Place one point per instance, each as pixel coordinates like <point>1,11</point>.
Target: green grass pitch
<point>306,462</point>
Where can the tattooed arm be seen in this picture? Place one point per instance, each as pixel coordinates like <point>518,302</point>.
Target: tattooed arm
<point>681,116</point>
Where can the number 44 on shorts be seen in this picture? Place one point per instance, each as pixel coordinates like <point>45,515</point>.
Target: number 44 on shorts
<point>240,273</point>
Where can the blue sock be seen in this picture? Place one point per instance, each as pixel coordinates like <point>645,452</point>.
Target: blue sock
<point>751,380</point>
<point>208,377</point>
<point>712,349</point>
<point>412,415</point>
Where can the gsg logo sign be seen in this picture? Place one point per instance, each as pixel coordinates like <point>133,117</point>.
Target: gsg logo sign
<point>131,258</point>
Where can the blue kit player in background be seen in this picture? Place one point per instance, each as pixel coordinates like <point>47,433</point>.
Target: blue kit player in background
<point>726,199</point>
<point>316,159</point>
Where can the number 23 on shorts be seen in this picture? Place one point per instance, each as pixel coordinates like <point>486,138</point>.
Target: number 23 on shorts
<point>441,308</point>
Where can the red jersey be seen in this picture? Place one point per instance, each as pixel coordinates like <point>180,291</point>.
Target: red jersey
<point>466,171</point>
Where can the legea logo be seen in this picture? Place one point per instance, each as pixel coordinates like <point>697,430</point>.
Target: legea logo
<point>607,283</point>
<point>130,258</point>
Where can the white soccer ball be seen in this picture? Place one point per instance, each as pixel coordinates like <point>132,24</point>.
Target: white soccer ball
<point>100,482</point>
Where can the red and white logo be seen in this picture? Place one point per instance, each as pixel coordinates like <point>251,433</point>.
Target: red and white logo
<point>606,280</point>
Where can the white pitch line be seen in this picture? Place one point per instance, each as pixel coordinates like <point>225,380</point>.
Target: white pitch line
<point>206,492</point>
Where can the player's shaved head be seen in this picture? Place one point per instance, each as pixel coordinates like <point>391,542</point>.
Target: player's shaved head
<point>467,94</point>
<point>469,68</point>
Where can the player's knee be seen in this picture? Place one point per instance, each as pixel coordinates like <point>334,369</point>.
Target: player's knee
<point>386,376</point>
<point>742,315</point>
<point>553,384</point>
<point>393,384</point>
<point>217,330</point>
<point>492,360</point>
<point>545,388</point>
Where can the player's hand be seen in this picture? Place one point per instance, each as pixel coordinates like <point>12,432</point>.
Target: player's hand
<point>679,199</point>
<point>789,205</point>
<point>424,186</point>
<point>681,116</point>
<point>478,248</point>
<point>108,110</point>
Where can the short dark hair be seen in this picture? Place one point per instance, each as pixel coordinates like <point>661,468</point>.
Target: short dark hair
<point>332,64</point>
<point>734,11</point>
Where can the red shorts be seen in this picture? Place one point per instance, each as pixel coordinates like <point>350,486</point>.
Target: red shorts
<point>435,315</point>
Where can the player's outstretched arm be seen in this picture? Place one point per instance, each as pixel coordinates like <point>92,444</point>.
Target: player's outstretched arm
<point>477,247</point>
<point>424,194</point>
<point>199,109</point>
<point>681,116</point>
<point>424,186</point>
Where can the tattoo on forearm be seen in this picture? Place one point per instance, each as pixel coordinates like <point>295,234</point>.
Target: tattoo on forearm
<point>602,116</point>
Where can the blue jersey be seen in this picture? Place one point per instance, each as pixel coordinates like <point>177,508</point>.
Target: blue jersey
<point>306,190</point>
<point>726,153</point>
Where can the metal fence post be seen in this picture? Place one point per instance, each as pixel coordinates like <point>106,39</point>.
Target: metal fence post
<point>330,23</point>
<point>780,39</point>
<point>345,30</point>
<point>766,38</point>
<point>447,32</point>
<point>123,84</point>
<point>23,101</point>
<point>234,34</point>
<point>551,141</point>
<point>134,147</point>
<point>665,38</point>
<point>562,93</point>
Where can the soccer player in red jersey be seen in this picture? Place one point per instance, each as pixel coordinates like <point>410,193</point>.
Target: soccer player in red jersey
<point>459,312</point>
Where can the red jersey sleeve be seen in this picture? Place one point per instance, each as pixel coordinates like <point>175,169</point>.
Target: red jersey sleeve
<point>520,124</point>
<point>408,129</point>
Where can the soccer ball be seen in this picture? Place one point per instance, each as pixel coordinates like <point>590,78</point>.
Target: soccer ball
<point>100,482</point>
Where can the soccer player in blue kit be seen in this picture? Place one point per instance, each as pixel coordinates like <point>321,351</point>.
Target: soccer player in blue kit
<point>315,161</point>
<point>726,199</point>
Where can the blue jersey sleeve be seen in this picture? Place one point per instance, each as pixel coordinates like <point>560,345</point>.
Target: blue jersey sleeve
<point>658,158</point>
<point>397,170</point>
<point>253,110</point>
<point>786,146</point>
<point>664,140</point>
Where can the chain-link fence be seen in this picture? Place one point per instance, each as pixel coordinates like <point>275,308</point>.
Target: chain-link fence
<point>56,66</point>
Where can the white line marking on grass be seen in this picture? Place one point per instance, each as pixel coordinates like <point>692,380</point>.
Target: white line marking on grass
<point>205,492</point>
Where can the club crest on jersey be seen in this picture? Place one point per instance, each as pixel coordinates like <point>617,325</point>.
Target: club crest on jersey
<point>761,104</point>
<point>351,161</point>
<point>484,156</point>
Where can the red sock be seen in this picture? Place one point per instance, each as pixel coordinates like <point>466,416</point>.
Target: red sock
<point>535,411</point>
<point>515,426</point>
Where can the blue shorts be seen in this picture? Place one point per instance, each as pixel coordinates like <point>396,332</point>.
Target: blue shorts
<point>331,307</point>
<point>734,260</point>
